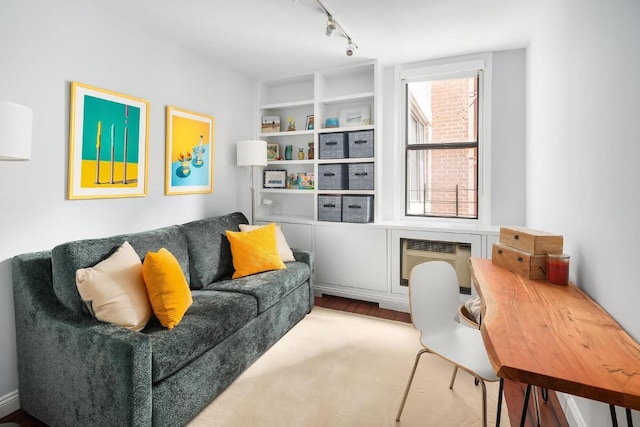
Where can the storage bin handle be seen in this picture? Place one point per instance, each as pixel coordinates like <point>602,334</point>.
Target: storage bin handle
<point>361,174</point>
<point>360,141</point>
<point>355,207</point>
<point>331,143</point>
<point>328,174</point>
<point>329,205</point>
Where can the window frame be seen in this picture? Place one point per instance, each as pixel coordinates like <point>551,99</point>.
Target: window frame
<point>448,69</point>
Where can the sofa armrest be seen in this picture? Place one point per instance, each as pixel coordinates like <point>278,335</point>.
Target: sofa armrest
<point>308,258</point>
<point>74,370</point>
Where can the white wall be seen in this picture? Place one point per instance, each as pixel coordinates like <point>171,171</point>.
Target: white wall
<point>583,152</point>
<point>43,48</point>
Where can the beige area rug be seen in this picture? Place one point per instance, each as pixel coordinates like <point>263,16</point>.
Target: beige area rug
<point>336,369</point>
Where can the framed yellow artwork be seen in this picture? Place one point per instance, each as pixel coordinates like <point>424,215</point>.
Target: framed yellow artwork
<point>189,152</point>
<point>108,144</point>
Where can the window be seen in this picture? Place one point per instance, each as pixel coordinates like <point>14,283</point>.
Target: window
<point>441,148</point>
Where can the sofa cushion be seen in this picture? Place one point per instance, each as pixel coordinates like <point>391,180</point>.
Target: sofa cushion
<point>168,290</point>
<point>281,242</point>
<point>69,257</point>
<point>269,287</point>
<point>254,251</point>
<point>209,251</point>
<point>114,290</point>
<point>212,317</point>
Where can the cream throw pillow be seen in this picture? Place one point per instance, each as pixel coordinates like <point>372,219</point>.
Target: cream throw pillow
<point>114,289</point>
<point>283,247</point>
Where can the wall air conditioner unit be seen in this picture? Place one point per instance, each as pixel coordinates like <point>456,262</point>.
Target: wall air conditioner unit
<point>414,252</point>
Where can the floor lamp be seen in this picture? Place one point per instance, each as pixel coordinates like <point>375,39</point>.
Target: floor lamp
<point>252,153</point>
<point>15,131</point>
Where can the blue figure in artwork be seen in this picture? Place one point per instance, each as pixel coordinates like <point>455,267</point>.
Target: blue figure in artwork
<point>198,152</point>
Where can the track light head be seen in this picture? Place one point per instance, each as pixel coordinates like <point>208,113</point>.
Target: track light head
<point>351,47</point>
<point>331,25</point>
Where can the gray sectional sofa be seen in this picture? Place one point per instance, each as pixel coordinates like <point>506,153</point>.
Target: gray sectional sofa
<point>77,371</point>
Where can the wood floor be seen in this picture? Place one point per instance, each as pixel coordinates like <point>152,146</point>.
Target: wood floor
<point>551,414</point>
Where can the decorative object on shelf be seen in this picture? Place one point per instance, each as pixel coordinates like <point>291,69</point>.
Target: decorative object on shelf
<point>252,153</point>
<point>331,122</point>
<point>305,180</point>
<point>292,124</point>
<point>273,151</point>
<point>300,153</point>
<point>188,152</point>
<point>270,124</point>
<point>288,152</point>
<point>108,144</point>
<point>310,121</point>
<point>275,178</point>
<point>333,25</point>
<point>356,116</point>
<point>310,151</point>
<point>15,131</point>
<point>292,181</point>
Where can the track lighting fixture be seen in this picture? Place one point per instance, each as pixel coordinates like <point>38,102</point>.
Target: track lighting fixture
<point>333,25</point>
<point>351,46</point>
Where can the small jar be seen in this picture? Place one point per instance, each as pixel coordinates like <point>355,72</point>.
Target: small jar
<point>558,269</point>
<point>300,154</point>
<point>310,153</point>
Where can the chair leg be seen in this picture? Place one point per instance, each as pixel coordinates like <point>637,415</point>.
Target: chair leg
<point>406,392</point>
<point>453,377</point>
<point>484,402</point>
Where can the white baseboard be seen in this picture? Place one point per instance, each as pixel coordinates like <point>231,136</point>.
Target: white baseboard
<point>9,403</point>
<point>571,411</point>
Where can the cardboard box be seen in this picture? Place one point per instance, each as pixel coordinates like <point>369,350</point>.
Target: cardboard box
<point>533,241</point>
<point>520,262</point>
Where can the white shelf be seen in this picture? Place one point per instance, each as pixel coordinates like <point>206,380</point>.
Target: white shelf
<point>348,192</point>
<point>290,162</point>
<point>365,96</point>
<point>286,133</point>
<point>346,160</point>
<point>286,105</point>
<point>323,94</point>
<point>346,129</point>
<point>286,191</point>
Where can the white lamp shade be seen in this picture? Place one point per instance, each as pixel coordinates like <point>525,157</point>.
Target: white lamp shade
<point>252,153</point>
<point>15,131</point>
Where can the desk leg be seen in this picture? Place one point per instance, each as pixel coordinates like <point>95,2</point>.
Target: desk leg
<point>629,420</point>
<point>614,417</point>
<point>500,391</point>
<point>523,417</point>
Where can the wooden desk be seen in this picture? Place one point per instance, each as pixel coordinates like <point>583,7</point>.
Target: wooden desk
<point>555,337</point>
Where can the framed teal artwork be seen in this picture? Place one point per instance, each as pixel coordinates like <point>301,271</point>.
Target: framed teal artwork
<point>108,144</point>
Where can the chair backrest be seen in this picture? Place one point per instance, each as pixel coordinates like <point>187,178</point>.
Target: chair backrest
<point>434,296</point>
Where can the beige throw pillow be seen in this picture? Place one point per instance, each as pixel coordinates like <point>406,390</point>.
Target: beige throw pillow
<point>281,242</point>
<point>114,290</point>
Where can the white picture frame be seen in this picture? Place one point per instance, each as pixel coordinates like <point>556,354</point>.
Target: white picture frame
<point>355,116</point>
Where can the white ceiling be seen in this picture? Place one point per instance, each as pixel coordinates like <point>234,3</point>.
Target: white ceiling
<point>276,38</point>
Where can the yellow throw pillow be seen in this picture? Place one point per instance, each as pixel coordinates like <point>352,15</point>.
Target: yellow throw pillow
<point>281,242</point>
<point>254,251</point>
<point>167,287</point>
<point>114,291</point>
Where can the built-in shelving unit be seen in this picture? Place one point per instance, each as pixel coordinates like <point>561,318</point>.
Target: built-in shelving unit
<point>324,94</point>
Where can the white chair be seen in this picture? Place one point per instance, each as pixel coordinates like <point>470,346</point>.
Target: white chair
<point>434,299</point>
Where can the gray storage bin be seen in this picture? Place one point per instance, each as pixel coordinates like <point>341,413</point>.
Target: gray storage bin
<point>333,145</point>
<point>360,143</point>
<point>357,208</point>
<point>333,177</point>
<point>330,208</point>
<point>361,176</point>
